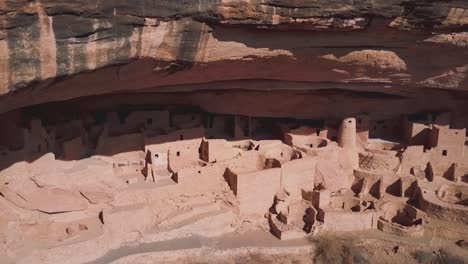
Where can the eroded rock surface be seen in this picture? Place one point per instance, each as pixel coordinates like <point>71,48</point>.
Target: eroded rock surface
<point>127,46</point>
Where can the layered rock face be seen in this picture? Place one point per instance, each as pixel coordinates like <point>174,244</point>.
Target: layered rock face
<point>60,50</point>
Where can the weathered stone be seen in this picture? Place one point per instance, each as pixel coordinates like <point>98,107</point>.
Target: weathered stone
<point>133,46</point>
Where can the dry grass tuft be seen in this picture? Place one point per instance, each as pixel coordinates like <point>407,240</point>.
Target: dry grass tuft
<point>331,248</point>
<point>441,256</point>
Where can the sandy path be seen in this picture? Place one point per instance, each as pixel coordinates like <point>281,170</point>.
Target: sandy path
<point>230,241</point>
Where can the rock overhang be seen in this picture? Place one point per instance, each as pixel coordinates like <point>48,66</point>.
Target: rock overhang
<point>60,50</point>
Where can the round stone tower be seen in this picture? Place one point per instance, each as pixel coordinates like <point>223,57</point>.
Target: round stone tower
<point>347,134</point>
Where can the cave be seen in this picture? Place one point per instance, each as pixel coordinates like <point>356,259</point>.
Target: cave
<point>157,127</point>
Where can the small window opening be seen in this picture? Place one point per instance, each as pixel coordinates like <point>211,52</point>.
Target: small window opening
<point>444,152</point>
<point>178,153</point>
<point>199,172</point>
<point>156,155</point>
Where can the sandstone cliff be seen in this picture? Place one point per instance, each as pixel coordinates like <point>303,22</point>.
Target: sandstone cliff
<point>59,50</point>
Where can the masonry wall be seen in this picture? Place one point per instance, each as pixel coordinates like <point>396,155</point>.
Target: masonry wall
<point>189,133</point>
<point>217,150</point>
<point>200,179</point>
<point>256,190</point>
<point>36,140</point>
<point>119,144</point>
<point>69,130</point>
<point>414,156</point>
<point>188,120</point>
<point>300,136</point>
<point>73,149</point>
<point>297,175</point>
<point>450,142</point>
<point>184,155</point>
<point>362,129</point>
<point>148,119</point>
<point>416,133</point>
<point>349,221</point>
<point>386,129</point>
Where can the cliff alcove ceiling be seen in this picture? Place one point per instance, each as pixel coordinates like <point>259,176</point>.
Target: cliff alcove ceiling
<point>60,50</point>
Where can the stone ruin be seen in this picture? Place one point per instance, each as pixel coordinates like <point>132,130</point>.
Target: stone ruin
<point>87,179</point>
